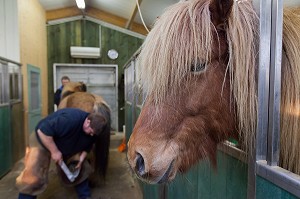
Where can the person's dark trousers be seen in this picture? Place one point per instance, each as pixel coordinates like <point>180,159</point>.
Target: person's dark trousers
<point>26,196</point>
<point>83,190</point>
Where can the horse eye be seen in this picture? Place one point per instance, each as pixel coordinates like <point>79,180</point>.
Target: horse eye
<point>198,68</point>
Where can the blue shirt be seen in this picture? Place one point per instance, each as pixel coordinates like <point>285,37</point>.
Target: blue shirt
<point>65,126</point>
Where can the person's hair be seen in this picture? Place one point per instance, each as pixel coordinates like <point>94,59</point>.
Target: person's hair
<point>98,122</point>
<point>65,78</point>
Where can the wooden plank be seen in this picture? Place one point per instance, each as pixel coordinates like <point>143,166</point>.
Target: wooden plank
<point>128,121</point>
<point>266,189</point>
<point>86,33</point>
<point>95,13</point>
<point>132,16</point>
<point>62,13</point>
<point>184,186</point>
<point>17,131</point>
<point>218,177</point>
<point>236,178</point>
<point>5,141</point>
<point>204,180</point>
<point>150,191</point>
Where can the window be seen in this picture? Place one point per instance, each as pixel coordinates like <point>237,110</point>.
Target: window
<point>129,78</point>
<point>35,98</point>
<point>14,83</point>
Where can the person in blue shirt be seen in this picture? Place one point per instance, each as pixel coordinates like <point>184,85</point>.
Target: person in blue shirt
<point>60,135</point>
<point>57,95</point>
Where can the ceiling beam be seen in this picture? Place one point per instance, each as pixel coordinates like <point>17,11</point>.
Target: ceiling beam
<point>95,13</point>
<point>62,13</point>
<point>133,14</point>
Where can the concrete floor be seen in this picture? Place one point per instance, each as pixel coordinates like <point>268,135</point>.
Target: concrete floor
<point>120,184</point>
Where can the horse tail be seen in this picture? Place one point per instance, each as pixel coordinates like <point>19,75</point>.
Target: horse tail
<point>102,143</point>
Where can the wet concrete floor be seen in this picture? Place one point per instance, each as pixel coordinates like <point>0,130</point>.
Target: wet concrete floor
<point>120,183</point>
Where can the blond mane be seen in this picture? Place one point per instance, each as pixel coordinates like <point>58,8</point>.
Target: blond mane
<point>290,92</point>
<point>184,34</point>
<point>167,52</point>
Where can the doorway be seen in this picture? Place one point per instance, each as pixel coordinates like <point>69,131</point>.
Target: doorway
<point>100,79</point>
<point>34,96</point>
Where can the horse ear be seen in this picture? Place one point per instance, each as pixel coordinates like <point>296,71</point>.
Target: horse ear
<point>83,87</point>
<point>220,10</point>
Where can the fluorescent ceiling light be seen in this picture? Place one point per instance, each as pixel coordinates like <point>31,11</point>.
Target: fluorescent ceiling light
<point>80,4</point>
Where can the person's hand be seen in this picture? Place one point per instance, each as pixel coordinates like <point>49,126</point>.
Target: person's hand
<point>57,157</point>
<point>81,159</point>
<point>78,166</point>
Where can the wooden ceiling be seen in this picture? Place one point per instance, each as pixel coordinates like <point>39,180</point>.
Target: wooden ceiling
<point>122,13</point>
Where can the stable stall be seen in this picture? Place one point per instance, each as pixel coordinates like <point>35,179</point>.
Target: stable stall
<point>11,115</point>
<point>237,175</point>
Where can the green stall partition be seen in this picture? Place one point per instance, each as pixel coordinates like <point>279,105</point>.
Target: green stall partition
<point>128,120</point>
<point>17,131</point>
<point>152,191</point>
<point>266,189</point>
<point>5,141</point>
<point>89,34</point>
<point>184,186</point>
<point>227,181</point>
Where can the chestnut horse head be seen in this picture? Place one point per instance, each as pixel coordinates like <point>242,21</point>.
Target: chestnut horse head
<point>198,68</point>
<point>72,87</point>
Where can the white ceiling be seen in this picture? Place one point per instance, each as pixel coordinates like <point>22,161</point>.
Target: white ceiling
<point>150,9</point>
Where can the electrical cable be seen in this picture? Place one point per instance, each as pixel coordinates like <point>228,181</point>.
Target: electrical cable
<point>137,3</point>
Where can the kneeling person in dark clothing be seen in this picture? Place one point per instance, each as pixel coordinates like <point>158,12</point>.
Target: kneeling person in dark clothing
<point>60,135</point>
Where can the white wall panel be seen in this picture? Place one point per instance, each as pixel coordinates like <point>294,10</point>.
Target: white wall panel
<point>9,30</point>
<point>285,3</point>
<point>2,29</point>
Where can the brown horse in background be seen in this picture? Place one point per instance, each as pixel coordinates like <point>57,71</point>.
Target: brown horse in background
<point>198,68</point>
<point>74,95</point>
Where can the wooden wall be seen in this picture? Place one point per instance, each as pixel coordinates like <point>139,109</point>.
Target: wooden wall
<point>87,33</point>
<point>25,38</point>
<point>33,43</point>
<point>5,141</point>
<point>96,14</point>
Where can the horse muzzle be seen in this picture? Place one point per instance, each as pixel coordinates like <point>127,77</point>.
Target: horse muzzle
<point>153,174</point>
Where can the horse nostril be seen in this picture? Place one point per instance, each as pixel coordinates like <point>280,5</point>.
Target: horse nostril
<point>140,165</point>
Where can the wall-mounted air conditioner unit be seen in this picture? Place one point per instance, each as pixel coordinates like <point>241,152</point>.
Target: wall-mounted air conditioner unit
<point>85,52</point>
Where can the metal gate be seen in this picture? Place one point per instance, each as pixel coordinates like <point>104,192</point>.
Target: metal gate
<point>101,79</point>
<point>11,114</point>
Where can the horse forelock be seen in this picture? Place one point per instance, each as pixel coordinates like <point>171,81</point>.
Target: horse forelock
<point>183,34</point>
<point>167,55</point>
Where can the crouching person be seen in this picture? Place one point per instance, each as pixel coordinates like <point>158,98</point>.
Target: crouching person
<point>63,135</point>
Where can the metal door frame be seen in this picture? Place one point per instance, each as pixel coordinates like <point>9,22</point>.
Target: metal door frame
<point>265,162</point>
<point>6,104</point>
